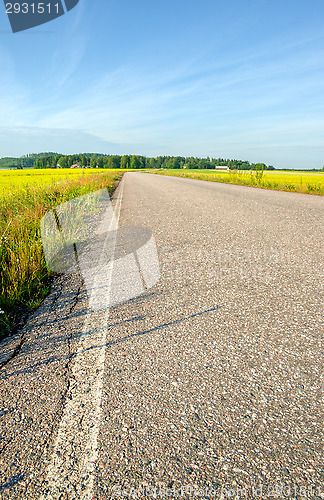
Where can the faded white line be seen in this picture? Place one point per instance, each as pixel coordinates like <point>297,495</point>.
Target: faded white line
<point>71,471</point>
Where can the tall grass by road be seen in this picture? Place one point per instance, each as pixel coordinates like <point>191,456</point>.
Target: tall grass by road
<point>23,270</point>
<point>298,182</point>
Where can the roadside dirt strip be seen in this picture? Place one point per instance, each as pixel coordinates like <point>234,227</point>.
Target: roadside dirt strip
<point>209,385</point>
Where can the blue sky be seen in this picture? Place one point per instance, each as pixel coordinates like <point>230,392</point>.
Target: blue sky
<point>233,79</point>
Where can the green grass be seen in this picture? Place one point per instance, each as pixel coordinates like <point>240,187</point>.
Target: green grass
<point>24,200</point>
<point>301,182</point>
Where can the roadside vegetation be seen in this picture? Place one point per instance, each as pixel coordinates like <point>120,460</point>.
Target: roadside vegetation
<point>25,197</point>
<point>297,182</point>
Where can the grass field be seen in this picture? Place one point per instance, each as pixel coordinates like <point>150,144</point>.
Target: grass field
<point>25,197</point>
<point>298,182</point>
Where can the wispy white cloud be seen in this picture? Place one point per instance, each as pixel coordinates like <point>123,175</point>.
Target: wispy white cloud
<point>69,50</point>
<point>133,102</point>
<point>66,60</point>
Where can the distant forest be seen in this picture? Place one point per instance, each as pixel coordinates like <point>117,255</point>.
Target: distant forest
<point>26,161</point>
<point>93,160</point>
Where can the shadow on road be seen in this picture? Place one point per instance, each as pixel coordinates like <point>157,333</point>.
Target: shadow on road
<point>63,338</point>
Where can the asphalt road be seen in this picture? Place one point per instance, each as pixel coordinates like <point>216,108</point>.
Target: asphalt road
<point>209,385</point>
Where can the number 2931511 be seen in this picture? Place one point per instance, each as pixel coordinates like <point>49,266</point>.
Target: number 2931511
<point>32,8</point>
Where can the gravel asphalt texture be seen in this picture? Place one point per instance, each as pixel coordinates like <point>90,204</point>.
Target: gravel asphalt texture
<point>213,378</point>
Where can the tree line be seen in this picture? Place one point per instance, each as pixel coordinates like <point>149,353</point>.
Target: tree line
<point>26,161</point>
<point>95,160</point>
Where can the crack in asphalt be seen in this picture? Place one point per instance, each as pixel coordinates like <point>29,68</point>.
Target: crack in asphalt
<point>25,332</point>
<point>15,352</point>
<point>67,374</point>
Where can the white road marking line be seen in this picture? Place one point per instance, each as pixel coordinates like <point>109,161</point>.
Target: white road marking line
<point>72,467</point>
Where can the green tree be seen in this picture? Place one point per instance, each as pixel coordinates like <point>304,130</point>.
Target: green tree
<point>63,162</point>
<point>93,161</point>
<point>159,162</point>
<point>116,161</point>
<point>136,162</point>
<point>191,163</point>
<point>152,163</point>
<point>100,162</point>
<point>125,161</point>
<point>83,161</point>
<point>110,162</point>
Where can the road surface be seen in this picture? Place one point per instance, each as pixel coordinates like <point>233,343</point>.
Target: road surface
<point>209,385</point>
